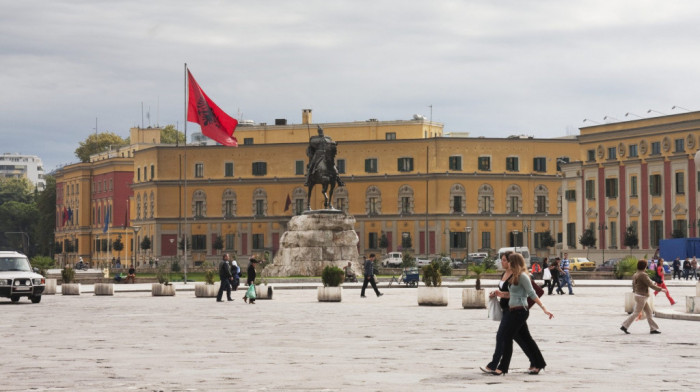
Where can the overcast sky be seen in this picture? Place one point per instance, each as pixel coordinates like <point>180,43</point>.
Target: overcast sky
<point>491,68</point>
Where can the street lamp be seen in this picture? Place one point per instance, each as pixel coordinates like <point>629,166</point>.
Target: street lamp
<point>136,232</point>
<point>468,230</point>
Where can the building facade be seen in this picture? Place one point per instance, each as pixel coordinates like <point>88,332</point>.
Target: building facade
<point>23,166</point>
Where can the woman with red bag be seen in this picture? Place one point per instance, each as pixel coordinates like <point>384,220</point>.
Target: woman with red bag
<point>662,281</point>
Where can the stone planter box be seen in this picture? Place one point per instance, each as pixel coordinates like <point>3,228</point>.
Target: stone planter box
<point>70,289</point>
<point>697,289</point>
<point>473,299</point>
<point>162,290</point>
<point>263,291</point>
<point>692,305</point>
<point>50,287</point>
<point>206,290</point>
<point>329,294</point>
<point>433,296</point>
<point>629,302</point>
<point>104,289</point>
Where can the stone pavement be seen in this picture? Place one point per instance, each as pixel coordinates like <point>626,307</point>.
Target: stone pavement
<point>132,341</point>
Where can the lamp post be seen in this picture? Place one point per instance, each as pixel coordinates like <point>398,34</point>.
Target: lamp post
<point>602,229</point>
<point>136,232</point>
<point>468,230</point>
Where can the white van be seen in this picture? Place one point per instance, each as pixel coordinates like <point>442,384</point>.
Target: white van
<point>523,250</point>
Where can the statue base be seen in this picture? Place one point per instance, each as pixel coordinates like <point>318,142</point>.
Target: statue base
<point>324,211</point>
<point>314,240</point>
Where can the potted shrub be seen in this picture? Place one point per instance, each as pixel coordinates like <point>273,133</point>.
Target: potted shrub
<point>262,289</point>
<point>209,289</point>
<point>43,263</point>
<point>332,277</point>
<point>67,286</point>
<point>475,298</point>
<point>163,287</point>
<point>432,294</point>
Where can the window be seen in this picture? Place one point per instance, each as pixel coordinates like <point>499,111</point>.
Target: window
<point>198,209</point>
<point>258,241</point>
<point>458,239</point>
<point>299,168</point>
<point>457,203</point>
<point>486,239</point>
<point>570,195</point>
<point>680,145</point>
<point>340,165</point>
<point>656,228</point>
<point>655,185</point>
<point>655,148</point>
<point>591,155</point>
<point>259,207</point>
<point>247,140</point>
<point>633,186</point>
<point>512,163</point>
<point>230,241</point>
<point>371,165</point>
<point>111,184</point>
<point>590,189</point>
<point>228,169</point>
<point>681,225</point>
<point>145,175</point>
<point>633,151</point>
<point>486,204</point>
<point>153,172</point>
<point>485,163</point>
<point>457,199</point>
<point>198,170</point>
<point>298,206</point>
<point>259,168</point>
<point>539,164</point>
<point>405,200</point>
<point>199,242</point>
<point>390,136</point>
<point>405,164</point>
<point>571,235</point>
<point>373,201</point>
<point>613,234</point>
<point>680,182</point>
<point>228,209</point>
<point>373,206</point>
<point>405,205</point>
<point>341,204</point>
<point>455,163</point>
<point>373,241</point>
<point>541,204</point>
<point>138,176</point>
<point>612,152</point>
<point>611,188</point>
<point>513,204</point>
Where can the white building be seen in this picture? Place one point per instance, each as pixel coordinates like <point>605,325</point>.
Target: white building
<point>15,165</point>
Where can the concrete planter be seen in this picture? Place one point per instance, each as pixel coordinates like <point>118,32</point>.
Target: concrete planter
<point>329,294</point>
<point>50,287</point>
<point>70,289</point>
<point>692,305</point>
<point>629,302</point>
<point>206,290</point>
<point>263,291</point>
<point>433,296</point>
<point>162,290</point>
<point>473,299</point>
<point>697,289</point>
<point>104,289</point>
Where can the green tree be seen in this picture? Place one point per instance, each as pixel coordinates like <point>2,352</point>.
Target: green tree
<point>96,143</point>
<point>46,219</point>
<point>547,240</point>
<point>170,135</point>
<point>587,239</point>
<point>118,245</point>
<point>18,218</point>
<point>15,189</point>
<point>218,243</point>
<point>146,243</point>
<point>631,238</point>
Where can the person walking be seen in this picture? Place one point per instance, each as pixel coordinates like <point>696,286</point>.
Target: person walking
<point>523,338</point>
<point>369,277</point>
<point>686,268</point>
<point>556,275</point>
<point>676,268</point>
<point>250,281</point>
<point>566,276</point>
<point>236,272</point>
<point>641,283</point>
<point>546,275</point>
<point>226,277</point>
<point>660,273</point>
<point>694,268</point>
<point>536,270</point>
<point>519,291</point>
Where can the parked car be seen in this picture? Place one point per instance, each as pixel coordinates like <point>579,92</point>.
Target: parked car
<point>421,262</point>
<point>608,265</point>
<point>18,279</point>
<point>392,259</point>
<point>581,264</point>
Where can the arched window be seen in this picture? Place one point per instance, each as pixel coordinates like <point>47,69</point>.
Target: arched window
<point>228,204</point>
<point>559,195</point>
<point>405,200</point>
<point>199,204</point>
<point>485,199</point>
<point>153,204</point>
<point>541,199</point>
<point>458,199</point>
<point>298,200</point>
<point>514,200</point>
<point>145,206</point>
<point>138,209</point>
<point>340,199</point>
<point>259,202</point>
<point>373,201</point>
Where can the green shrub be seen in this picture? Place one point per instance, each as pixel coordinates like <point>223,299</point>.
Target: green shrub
<point>332,276</point>
<point>42,263</point>
<point>407,260</point>
<point>209,276</point>
<point>445,266</point>
<point>431,275</point>
<point>478,270</point>
<point>175,266</point>
<point>68,275</point>
<point>489,263</point>
<point>626,267</point>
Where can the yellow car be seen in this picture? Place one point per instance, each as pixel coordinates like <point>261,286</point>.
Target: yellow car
<point>581,264</point>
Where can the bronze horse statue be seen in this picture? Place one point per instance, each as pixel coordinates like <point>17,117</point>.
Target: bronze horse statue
<point>321,168</point>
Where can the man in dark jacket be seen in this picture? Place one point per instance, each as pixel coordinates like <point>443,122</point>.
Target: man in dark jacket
<point>676,268</point>
<point>226,278</point>
<point>369,277</point>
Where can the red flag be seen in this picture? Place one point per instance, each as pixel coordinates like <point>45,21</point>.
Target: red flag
<point>65,216</point>
<point>215,123</point>
<point>287,203</point>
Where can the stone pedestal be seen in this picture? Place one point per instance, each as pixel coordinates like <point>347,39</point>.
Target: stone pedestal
<point>104,289</point>
<point>206,290</point>
<point>330,294</point>
<point>263,291</point>
<point>50,287</point>
<point>315,240</point>
<point>692,305</point>
<point>433,296</point>
<point>162,290</point>
<point>629,302</point>
<point>473,299</point>
<point>70,289</point>
<point>697,289</point>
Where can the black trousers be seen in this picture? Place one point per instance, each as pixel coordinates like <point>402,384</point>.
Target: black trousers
<point>369,279</point>
<point>225,285</point>
<point>555,279</point>
<point>516,323</point>
<point>522,338</point>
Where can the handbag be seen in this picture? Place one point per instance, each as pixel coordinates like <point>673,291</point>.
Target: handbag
<point>538,291</point>
<point>495,311</point>
<point>250,294</point>
<point>547,274</point>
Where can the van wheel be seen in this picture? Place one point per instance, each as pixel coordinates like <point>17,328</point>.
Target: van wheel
<point>36,299</point>
<point>14,298</point>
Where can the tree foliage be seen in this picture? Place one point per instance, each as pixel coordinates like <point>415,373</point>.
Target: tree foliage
<point>146,243</point>
<point>631,238</point>
<point>170,135</point>
<point>547,239</point>
<point>15,189</point>
<point>96,143</point>
<point>587,239</point>
<point>46,218</point>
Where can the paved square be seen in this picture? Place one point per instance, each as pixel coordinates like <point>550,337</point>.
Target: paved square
<point>133,341</point>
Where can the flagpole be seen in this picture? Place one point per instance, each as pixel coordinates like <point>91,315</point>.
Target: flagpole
<point>185,175</point>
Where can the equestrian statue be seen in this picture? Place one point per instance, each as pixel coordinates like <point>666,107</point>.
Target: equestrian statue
<point>321,168</point>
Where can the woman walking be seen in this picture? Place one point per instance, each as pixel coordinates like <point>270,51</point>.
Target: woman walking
<point>555,270</point>
<point>641,283</point>
<point>660,272</point>
<point>546,275</point>
<point>250,281</point>
<point>515,319</point>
